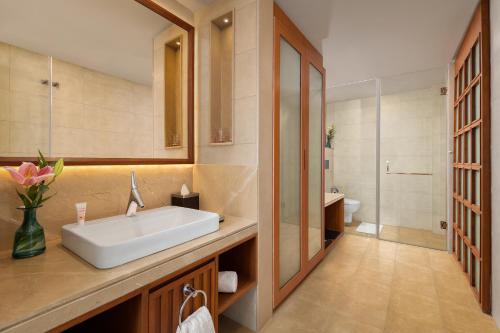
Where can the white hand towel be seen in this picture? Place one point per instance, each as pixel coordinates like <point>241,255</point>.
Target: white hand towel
<point>198,322</point>
<point>228,282</point>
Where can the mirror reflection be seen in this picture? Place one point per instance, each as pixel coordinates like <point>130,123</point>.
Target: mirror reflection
<point>92,79</point>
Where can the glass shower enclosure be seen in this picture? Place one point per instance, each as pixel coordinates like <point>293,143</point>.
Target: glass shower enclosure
<point>390,156</point>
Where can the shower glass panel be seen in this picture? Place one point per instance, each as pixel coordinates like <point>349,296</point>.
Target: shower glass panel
<point>290,162</point>
<point>413,156</point>
<point>315,204</point>
<point>352,110</point>
<point>24,101</point>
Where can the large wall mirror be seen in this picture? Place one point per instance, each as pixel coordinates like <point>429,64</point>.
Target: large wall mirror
<point>95,82</point>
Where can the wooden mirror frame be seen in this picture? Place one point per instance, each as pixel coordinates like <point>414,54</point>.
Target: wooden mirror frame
<point>155,7</point>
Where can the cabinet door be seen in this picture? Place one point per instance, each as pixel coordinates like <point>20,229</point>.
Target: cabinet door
<point>165,302</point>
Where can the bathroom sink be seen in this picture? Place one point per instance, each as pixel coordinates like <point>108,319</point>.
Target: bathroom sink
<point>113,241</point>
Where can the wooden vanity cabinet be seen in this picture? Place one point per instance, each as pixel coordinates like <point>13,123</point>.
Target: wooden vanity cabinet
<point>155,307</point>
<point>165,302</point>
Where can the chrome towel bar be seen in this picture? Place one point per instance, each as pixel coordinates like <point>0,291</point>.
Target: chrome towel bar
<point>389,172</point>
<point>409,173</point>
<point>190,292</point>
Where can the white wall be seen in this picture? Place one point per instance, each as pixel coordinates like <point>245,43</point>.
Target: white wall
<point>495,154</point>
<point>413,139</point>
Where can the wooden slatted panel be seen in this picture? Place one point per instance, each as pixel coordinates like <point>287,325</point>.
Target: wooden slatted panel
<point>165,302</point>
<point>471,157</point>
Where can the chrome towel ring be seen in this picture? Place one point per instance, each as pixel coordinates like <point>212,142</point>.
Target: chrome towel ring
<point>190,292</point>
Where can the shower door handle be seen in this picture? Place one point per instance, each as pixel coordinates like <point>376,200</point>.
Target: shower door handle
<point>387,166</point>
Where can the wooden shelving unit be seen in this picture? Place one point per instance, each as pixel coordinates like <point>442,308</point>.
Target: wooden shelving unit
<point>231,260</point>
<point>155,307</point>
<point>334,223</point>
<point>226,300</point>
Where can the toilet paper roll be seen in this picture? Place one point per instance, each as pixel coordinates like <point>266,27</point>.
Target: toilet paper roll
<point>228,282</point>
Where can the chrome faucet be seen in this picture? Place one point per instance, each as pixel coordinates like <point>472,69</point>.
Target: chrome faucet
<point>135,199</point>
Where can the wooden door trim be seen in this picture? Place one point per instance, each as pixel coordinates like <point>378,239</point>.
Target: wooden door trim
<point>478,30</point>
<point>286,29</point>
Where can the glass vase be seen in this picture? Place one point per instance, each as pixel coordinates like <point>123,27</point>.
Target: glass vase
<point>29,240</point>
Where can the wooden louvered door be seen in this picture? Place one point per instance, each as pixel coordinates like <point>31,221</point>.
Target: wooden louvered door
<point>471,157</point>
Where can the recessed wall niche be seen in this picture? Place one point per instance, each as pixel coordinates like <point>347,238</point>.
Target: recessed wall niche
<point>221,79</point>
<point>173,93</point>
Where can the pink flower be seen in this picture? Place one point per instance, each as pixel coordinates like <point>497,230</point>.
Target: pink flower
<point>29,174</point>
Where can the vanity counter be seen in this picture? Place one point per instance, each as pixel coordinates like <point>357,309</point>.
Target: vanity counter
<point>331,198</point>
<point>43,292</point>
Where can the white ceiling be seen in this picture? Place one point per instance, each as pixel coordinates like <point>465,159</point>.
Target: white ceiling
<point>111,36</point>
<point>363,39</point>
<point>195,5</point>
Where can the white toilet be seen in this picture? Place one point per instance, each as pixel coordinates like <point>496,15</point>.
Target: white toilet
<point>350,206</point>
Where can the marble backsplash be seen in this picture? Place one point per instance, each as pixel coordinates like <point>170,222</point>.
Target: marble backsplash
<point>227,189</point>
<point>104,188</point>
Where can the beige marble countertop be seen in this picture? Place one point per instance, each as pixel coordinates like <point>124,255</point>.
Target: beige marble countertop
<point>43,292</point>
<point>331,198</point>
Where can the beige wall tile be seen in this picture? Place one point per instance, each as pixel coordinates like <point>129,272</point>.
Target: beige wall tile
<point>246,28</point>
<point>26,139</point>
<point>245,74</point>
<point>28,108</point>
<point>77,146</point>
<point>85,100</point>
<point>4,137</point>
<point>68,114</point>
<point>27,70</point>
<point>142,101</point>
<point>102,119</point>
<point>241,154</point>
<point>104,188</point>
<point>245,120</point>
<point>4,66</point>
<point>70,78</point>
<point>228,190</point>
<point>4,104</point>
<point>106,91</point>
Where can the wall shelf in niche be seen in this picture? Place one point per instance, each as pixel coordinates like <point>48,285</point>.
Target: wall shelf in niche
<point>222,79</point>
<point>173,92</point>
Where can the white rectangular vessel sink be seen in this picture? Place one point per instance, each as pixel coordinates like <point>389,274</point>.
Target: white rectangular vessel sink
<point>113,241</point>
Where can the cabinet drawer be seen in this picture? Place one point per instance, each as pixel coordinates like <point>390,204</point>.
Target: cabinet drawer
<point>165,302</point>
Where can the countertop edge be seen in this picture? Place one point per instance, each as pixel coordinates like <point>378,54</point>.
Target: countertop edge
<point>337,198</point>
<point>78,304</point>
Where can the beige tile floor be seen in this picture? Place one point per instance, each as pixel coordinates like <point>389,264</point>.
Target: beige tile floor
<point>370,285</point>
<point>410,236</point>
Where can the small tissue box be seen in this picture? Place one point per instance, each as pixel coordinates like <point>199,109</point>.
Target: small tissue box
<point>192,200</point>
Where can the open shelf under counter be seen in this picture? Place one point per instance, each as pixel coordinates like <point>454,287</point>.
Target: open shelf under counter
<point>334,218</point>
<point>245,284</point>
<point>241,258</point>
